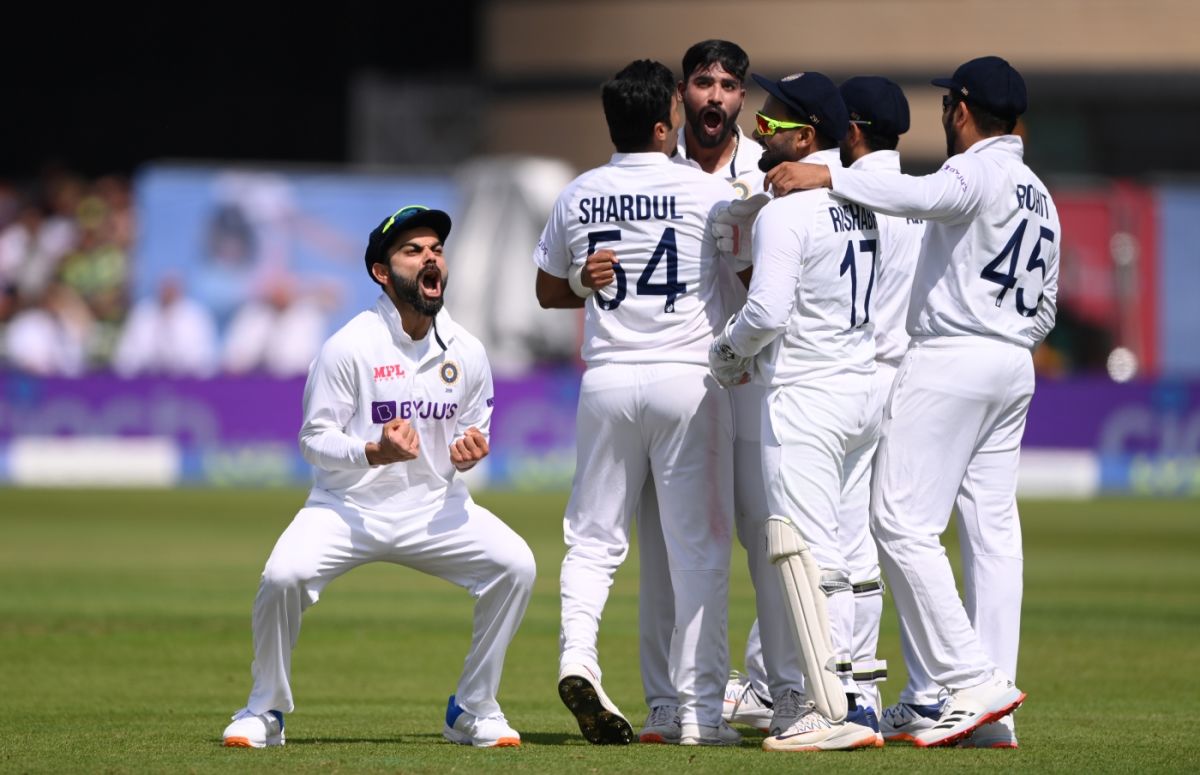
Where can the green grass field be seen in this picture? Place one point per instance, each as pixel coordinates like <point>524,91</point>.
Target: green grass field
<point>125,645</point>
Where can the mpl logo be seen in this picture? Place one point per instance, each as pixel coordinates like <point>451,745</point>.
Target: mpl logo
<point>384,373</point>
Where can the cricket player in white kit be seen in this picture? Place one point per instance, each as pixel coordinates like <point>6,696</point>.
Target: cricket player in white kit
<point>712,93</point>
<point>878,116</point>
<point>647,406</point>
<point>399,399</point>
<point>805,331</point>
<point>983,297</point>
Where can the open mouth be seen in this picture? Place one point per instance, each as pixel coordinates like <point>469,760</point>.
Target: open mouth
<point>430,280</point>
<point>713,120</point>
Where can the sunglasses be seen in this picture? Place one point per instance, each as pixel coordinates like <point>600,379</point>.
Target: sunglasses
<point>768,126</point>
<point>948,101</point>
<point>401,215</point>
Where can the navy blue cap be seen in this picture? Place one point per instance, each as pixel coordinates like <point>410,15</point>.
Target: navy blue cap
<point>991,83</point>
<point>812,97</point>
<point>877,101</point>
<point>408,217</point>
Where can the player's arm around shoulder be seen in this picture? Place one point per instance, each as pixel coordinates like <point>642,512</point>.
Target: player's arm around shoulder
<point>472,439</point>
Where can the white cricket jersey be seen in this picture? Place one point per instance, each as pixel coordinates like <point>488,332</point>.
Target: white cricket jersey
<point>743,174</point>
<point>989,261</point>
<point>747,179</point>
<point>742,171</point>
<point>655,215</point>
<point>371,372</point>
<point>899,246</point>
<point>809,306</point>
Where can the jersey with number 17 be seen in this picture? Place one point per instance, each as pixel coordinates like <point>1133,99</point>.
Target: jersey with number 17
<point>664,304</point>
<point>989,261</point>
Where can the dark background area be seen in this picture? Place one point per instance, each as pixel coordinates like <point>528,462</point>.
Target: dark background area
<point>102,90</point>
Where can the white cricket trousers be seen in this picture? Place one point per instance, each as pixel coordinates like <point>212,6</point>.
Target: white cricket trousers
<point>672,423</point>
<point>816,435</point>
<point>460,542</point>
<point>750,517</point>
<point>862,558</point>
<point>952,436</point>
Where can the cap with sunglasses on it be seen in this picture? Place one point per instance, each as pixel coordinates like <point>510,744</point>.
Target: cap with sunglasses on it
<point>989,82</point>
<point>410,217</point>
<point>813,97</point>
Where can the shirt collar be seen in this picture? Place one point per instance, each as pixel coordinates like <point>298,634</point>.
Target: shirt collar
<point>830,157</point>
<point>650,159</point>
<point>442,331</point>
<point>743,160</point>
<point>1010,144</point>
<point>878,160</point>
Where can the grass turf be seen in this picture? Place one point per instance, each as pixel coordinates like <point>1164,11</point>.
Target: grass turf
<point>125,645</point>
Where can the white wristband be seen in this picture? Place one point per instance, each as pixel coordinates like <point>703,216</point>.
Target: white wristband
<point>575,279</point>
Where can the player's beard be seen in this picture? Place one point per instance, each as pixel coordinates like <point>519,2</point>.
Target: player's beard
<point>409,291</point>
<point>724,122</point>
<point>951,134</point>
<point>772,158</point>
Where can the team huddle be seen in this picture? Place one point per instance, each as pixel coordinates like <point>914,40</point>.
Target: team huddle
<point>785,338</point>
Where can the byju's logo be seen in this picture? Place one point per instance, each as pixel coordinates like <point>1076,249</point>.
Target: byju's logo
<point>383,411</point>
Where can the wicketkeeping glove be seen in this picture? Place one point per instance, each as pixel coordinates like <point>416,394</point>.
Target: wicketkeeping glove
<point>726,366</point>
<point>733,223</point>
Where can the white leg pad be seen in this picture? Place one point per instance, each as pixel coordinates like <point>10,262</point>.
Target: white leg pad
<point>805,605</point>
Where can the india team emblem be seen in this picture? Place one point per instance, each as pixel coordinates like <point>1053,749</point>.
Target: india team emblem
<point>449,372</point>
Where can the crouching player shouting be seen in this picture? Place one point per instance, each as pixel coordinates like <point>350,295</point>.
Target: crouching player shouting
<point>398,400</point>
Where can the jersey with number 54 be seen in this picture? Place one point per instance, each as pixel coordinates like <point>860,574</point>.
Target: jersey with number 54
<point>664,304</point>
<point>989,261</point>
<point>809,308</point>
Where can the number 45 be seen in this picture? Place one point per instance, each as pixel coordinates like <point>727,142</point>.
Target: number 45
<point>1007,280</point>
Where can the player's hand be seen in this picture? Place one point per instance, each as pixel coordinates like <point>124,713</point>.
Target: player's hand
<point>398,443</point>
<point>732,225</point>
<point>791,176</point>
<point>594,273</point>
<point>598,269</point>
<point>469,450</point>
<point>727,367</point>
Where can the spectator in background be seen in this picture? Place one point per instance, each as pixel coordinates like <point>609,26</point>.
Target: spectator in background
<point>32,248</point>
<point>169,335</point>
<point>281,333</point>
<point>49,338</point>
<point>99,266</point>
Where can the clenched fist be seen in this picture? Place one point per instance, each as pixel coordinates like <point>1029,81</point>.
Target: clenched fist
<point>398,443</point>
<point>469,450</point>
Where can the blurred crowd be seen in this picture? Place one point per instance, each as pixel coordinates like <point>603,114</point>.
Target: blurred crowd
<point>68,306</point>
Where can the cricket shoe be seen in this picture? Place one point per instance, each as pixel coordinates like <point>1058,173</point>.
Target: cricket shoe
<point>662,726</point>
<point>599,719</point>
<point>743,705</point>
<point>254,731</point>
<point>698,734</point>
<point>968,709</point>
<point>787,711</point>
<point>814,732</point>
<point>482,732</point>
<point>900,722</point>
<point>998,734</point>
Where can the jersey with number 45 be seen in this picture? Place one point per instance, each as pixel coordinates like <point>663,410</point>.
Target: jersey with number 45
<point>809,306</point>
<point>663,305</point>
<point>989,262</point>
